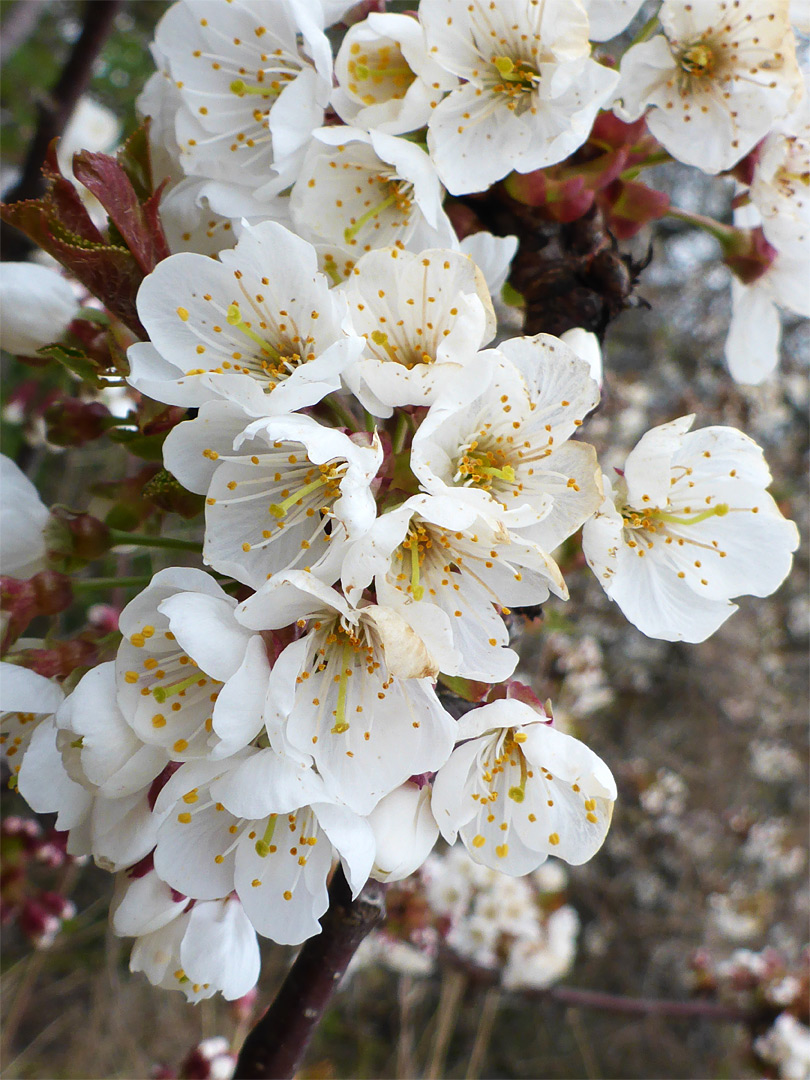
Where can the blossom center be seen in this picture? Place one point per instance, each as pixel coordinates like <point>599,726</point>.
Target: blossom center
<point>483,467</point>
<point>384,75</point>
<point>698,60</point>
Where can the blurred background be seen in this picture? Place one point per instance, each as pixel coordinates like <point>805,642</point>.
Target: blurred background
<point>700,892</point>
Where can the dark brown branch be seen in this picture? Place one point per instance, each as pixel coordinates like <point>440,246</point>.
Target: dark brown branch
<point>55,109</point>
<point>277,1044</point>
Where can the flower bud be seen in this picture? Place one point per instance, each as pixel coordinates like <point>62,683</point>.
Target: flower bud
<point>78,535</point>
<point>71,422</point>
<point>404,831</point>
<point>38,305</point>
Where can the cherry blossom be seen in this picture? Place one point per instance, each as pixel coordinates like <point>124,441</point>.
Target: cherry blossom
<point>443,568</point>
<point>235,823</point>
<point>387,81</point>
<point>423,318</point>
<point>517,790</point>
<point>23,518</point>
<point>282,494</point>
<point>688,526</point>
<point>508,451</point>
<point>38,306</point>
<point>250,94</point>
<point>717,78</point>
<point>531,91</point>
<point>404,832</point>
<point>191,679</point>
<point>355,692</point>
<point>259,327</point>
<point>361,190</point>
<point>26,698</point>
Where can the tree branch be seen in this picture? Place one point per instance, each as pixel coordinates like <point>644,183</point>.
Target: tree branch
<point>55,109</point>
<point>277,1044</point>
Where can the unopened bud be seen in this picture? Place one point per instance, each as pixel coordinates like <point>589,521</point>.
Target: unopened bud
<point>71,422</point>
<point>76,535</point>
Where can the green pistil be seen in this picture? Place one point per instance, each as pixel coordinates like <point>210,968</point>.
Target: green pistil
<point>379,338</point>
<point>512,73</point>
<point>241,89</point>
<point>351,231</point>
<point>506,473</point>
<point>162,693</point>
<point>518,792</point>
<point>671,519</point>
<point>341,723</point>
<point>279,510</point>
<point>234,317</point>
<point>263,845</point>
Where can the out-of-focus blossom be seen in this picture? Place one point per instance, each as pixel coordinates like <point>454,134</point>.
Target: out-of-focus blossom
<point>37,306</point>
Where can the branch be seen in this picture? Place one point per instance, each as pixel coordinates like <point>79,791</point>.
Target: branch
<point>55,110</point>
<point>595,999</point>
<point>277,1044</point>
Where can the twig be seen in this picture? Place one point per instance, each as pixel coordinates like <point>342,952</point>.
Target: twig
<point>408,991</point>
<point>276,1045</point>
<point>596,999</point>
<point>454,983</point>
<point>486,1023</point>
<point>55,110</point>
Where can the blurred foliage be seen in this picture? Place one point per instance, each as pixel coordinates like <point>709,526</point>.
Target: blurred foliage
<point>123,67</point>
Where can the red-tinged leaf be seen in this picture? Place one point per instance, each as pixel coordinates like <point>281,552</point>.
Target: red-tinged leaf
<point>518,691</point>
<point>609,130</point>
<point>138,224</point>
<point>530,188</point>
<point>604,169</point>
<point>136,160</point>
<point>629,205</point>
<point>64,203</point>
<point>467,689</point>
<point>110,273</point>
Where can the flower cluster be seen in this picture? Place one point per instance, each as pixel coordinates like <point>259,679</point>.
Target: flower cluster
<point>383,478</point>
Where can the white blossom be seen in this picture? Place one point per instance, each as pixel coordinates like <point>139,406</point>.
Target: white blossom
<point>386,79</point>
<point>423,318</point>
<point>717,78</point>
<point>258,327</point>
<point>531,91</point>
<point>355,692</point>
<point>26,698</point>
<point>282,494</point>
<point>404,832</point>
<point>517,790</point>
<point>250,93</point>
<point>38,305</point>
<point>23,517</point>
<point>787,1046</point>
<point>264,825</point>
<point>502,443</point>
<point>209,947</point>
<point>191,679</point>
<point>443,568</point>
<point>607,18</point>
<point>687,527</point>
<point>361,190</point>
